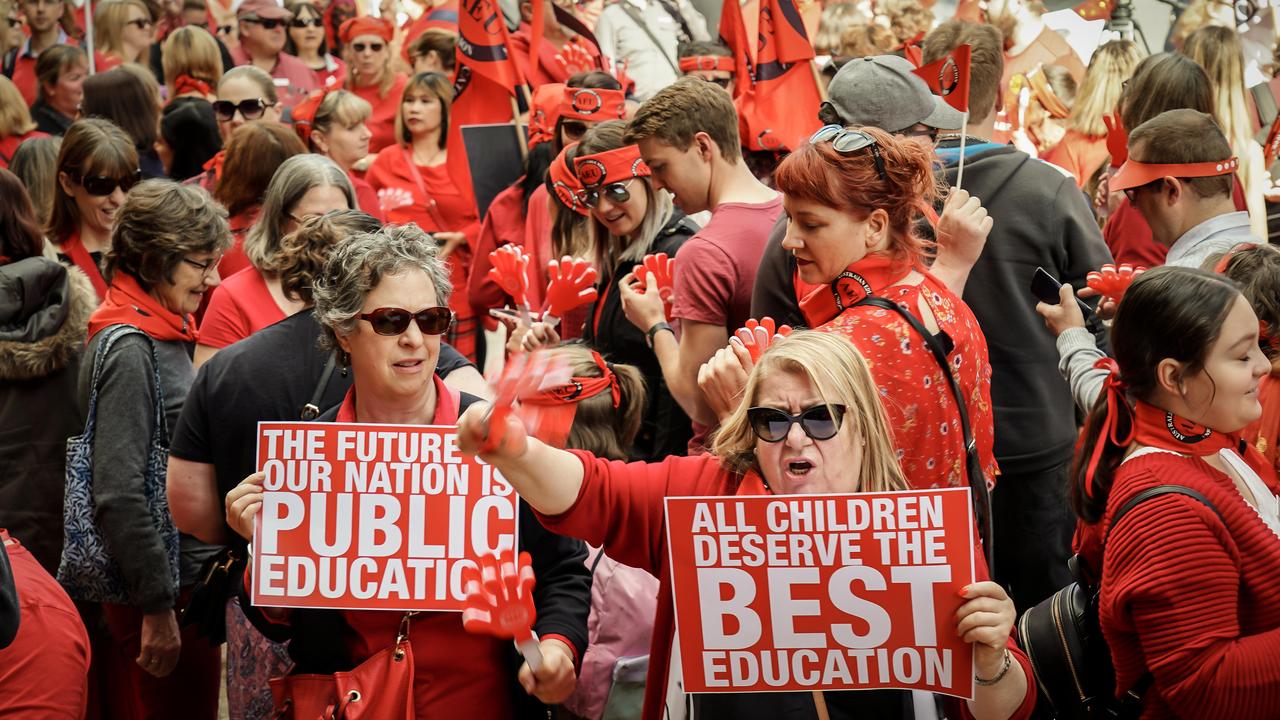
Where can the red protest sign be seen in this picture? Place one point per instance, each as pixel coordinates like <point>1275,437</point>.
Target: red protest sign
<point>822,592</point>
<point>373,517</point>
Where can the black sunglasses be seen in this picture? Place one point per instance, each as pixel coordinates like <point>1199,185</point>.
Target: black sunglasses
<point>573,128</point>
<point>847,142</point>
<point>394,321</point>
<point>306,22</point>
<point>251,109</point>
<point>101,185</point>
<point>616,193</point>
<point>361,47</point>
<point>266,23</point>
<point>820,422</point>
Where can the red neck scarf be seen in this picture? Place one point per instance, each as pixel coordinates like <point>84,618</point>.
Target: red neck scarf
<point>184,84</point>
<point>215,164</point>
<point>865,277</point>
<point>128,304</point>
<point>74,249</point>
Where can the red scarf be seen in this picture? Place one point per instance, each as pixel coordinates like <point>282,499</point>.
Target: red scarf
<point>74,249</point>
<point>215,164</point>
<point>128,304</point>
<point>865,277</point>
<point>185,84</point>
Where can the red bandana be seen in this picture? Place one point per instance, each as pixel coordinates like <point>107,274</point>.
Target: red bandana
<point>550,412</point>
<point>545,113</point>
<point>706,63</point>
<point>128,304</point>
<point>304,115</point>
<point>74,249</point>
<point>593,104</point>
<point>564,183</point>
<point>367,25</point>
<point>612,166</point>
<point>865,277</point>
<point>215,164</point>
<point>185,83</point>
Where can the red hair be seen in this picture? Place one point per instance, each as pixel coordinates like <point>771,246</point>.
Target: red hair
<point>851,184</point>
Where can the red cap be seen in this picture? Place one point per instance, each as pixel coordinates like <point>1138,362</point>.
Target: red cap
<point>1136,174</point>
<point>355,27</point>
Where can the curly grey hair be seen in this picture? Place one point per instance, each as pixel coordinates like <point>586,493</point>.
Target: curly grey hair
<point>356,267</point>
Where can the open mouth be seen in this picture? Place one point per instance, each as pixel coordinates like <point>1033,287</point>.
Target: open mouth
<point>799,467</point>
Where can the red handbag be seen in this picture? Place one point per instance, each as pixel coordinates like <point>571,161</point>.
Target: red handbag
<point>380,688</point>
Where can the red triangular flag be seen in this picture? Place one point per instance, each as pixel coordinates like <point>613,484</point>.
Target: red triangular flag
<point>780,109</point>
<point>949,77</point>
<point>483,46</point>
<point>912,52</point>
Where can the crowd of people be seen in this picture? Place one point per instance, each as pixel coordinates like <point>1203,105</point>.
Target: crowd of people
<point>218,213</point>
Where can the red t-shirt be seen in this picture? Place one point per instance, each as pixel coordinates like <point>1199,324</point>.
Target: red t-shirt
<point>241,307</point>
<point>717,267</point>
<point>9,145</point>
<point>366,197</point>
<point>1079,154</point>
<point>44,672</point>
<point>382,123</point>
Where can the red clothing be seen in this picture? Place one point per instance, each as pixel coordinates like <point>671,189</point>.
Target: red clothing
<point>915,395</point>
<point>620,507</point>
<point>507,223</point>
<point>382,123</point>
<point>407,193</point>
<point>242,306</point>
<point>235,259</point>
<point>1129,237</point>
<point>9,145</point>
<point>550,70</point>
<point>366,198</point>
<point>334,73</point>
<point>294,81</point>
<point>1079,154</point>
<point>1264,433</point>
<point>1188,597</point>
<point>44,672</point>
<point>24,76</point>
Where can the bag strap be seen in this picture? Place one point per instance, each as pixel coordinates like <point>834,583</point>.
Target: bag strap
<point>311,410</point>
<point>432,210</point>
<point>160,427</point>
<point>638,19</point>
<point>973,465</point>
<point>686,34</point>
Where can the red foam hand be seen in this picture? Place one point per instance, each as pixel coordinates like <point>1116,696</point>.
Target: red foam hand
<point>1112,281</point>
<point>575,57</point>
<point>523,375</point>
<point>758,336</point>
<point>510,272</point>
<point>573,283</point>
<point>1117,139</point>
<point>499,596</point>
<point>628,85</point>
<point>664,271</point>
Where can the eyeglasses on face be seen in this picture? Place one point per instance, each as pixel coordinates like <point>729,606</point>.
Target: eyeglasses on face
<point>820,422</point>
<point>306,22</point>
<point>394,321</point>
<point>848,142</point>
<point>101,185</point>
<point>206,268</point>
<point>616,193</point>
<point>367,47</point>
<point>266,23</point>
<point>251,109</point>
<point>226,29</point>
<point>1132,193</point>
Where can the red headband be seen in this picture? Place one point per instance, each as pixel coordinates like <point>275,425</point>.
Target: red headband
<point>1136,174</point>
<point>545,113</point>
<point>581,388</point>
<point>706,63</point>
<point>304,115</point>
<point>611,166</point>
<point>186,83</point>
<point>564,183</point>
<point>593,104</point>
<point>355,27</point>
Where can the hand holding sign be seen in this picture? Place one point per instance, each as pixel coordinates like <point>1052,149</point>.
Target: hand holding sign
<point>758,336</point>
<point>510,272</point>
<point>500,602</point>
<point>663,269</point>
<point>1112,281</point>
<point>573,283</point>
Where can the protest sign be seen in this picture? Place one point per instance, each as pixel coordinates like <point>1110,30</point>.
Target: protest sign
<point>822,592</point>
<point>373,517</point>
<point>493,155</point>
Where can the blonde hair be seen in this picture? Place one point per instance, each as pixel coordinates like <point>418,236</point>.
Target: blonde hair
<point>836,18</point>
<point>191,51</point>
<point>385,80</point>
<point>840,376</point>
<point>1099,94</point>
<point>611,249</point>
<point>108,25</point>
<point>15,117</point>
<point>340,107</point>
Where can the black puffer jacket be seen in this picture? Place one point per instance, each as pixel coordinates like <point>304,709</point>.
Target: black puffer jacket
<point>44,313</point>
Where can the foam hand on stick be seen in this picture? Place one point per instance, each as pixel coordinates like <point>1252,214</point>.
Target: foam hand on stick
<point>499,602</point>
<point>510,272</point>
<point>1117,139</point>
<point>523,375</point>
<point>664,271</point>
<point>1112,281</point>
<point>573,283</point>
<point>758,336</point>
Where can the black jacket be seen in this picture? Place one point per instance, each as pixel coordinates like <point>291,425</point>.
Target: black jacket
<point>666,430</point>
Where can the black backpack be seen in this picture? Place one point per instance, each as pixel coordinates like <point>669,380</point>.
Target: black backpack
<point>1063,638</point>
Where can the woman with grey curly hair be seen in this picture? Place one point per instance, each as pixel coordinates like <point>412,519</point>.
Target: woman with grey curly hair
<point>382,301</point>
<point>166,242</point>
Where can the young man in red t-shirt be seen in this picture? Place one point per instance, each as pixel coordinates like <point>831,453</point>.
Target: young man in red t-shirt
<point>688,135</point>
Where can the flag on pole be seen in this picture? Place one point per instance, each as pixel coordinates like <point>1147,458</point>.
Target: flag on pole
<point>733,34</point>
<point>948,77</point>
<point>779,109</point>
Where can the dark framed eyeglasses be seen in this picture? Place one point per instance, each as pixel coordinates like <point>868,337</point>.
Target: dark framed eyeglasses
<point>848,142</point>
<point>140,23</point>
<point>1132,193</point>
<point>820,422</point>
<point>722,82</point>
<point>306,22</point>
<point>251,109</point>
<point>101,185</point>
<point>371,47</point>
<point>266,23</point>
<point>573,129</point>
<point>205,268</point>
<point>616,193</point>
<point>394,321</point>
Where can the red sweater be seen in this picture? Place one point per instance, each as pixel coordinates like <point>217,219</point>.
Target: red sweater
<point>1189,598</point>
<point>620,507</point>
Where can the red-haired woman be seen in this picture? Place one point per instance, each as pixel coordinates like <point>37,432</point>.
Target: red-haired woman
<point>366,47</point>
<point>851,196</point>
<point>413,184</point>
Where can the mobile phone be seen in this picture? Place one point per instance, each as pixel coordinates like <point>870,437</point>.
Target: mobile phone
<point>1045,287</point>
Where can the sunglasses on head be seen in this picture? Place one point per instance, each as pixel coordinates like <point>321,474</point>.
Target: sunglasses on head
<point>266,23</point>
<point>140,23</point>
<point>394,321</point>
<point>616,193</point>
<point>251,109</point>
<point>372,47</point>
<point>101,185</point>
<point>820,422</point>
<point>306,22</point>
<point>574,129</point>
<point>847,142</point>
